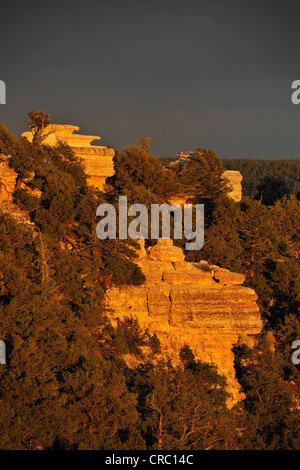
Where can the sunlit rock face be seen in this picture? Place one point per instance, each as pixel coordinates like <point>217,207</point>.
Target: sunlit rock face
<point>235,182</point>
<point>7,178</point>
<point>198,304</point>
<point>97,160</point>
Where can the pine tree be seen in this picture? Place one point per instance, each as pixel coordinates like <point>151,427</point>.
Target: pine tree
<point>203,180</point>
<point>179,407</point>
<point>272,417</point>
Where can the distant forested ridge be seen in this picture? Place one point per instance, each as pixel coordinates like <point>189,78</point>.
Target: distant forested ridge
<point>255,170</point>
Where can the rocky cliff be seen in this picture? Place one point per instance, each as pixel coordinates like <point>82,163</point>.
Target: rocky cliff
<point>198,304</point>
<point>97,160</point>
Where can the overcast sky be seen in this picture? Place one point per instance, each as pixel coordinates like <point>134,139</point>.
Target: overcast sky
<point>210,74</point>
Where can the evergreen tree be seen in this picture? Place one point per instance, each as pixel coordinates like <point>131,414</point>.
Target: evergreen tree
<point>8,142</point>
<point>272,418</point>
<point>204,181</point>
<point>141,176</point>
<point>270,189</point>
<point>39,122</point>
<point>180,408</point>
<point>56,391</point>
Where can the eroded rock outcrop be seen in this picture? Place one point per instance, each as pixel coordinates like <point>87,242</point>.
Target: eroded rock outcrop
<point>8,178</point>
<point>235,182</point>
<point>97,160</point>
<point>198,304</point>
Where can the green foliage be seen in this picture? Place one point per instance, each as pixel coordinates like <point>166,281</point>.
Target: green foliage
<point>55,214</point>
<point>130,272</point>
<point>27,158</point>
<point>56,389</point>
<point>203,180</point>
<point>286,222</point>
<point>39,121</point>
<point>126,337</point>
<point>65,160</point>
<point>222,244</point>
<point>187,356</point>
<point>273,420</point>
<point>203,175</point>
<point>141,176</point>
<point>25,200</point>
<point>179,408</point>
<point>154,344</point>
<point>8,142</point>
<point>271,189</point>
<point>287,332</point>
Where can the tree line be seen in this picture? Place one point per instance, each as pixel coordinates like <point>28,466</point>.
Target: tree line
<point>262,177</point>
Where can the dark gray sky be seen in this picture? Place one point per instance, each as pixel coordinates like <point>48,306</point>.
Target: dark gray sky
<point>210,74</point>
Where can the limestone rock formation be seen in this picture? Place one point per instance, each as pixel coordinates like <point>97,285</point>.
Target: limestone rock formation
<point>235,181</point>
<point>7,178</point>
<point>97,160</point>
<point>198,304</point>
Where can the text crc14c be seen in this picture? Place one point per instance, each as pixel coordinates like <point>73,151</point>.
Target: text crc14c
<point>152,459</point>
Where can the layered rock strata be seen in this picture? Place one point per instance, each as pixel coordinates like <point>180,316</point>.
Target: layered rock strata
<point>198,304</point>
<point>97,160</point>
